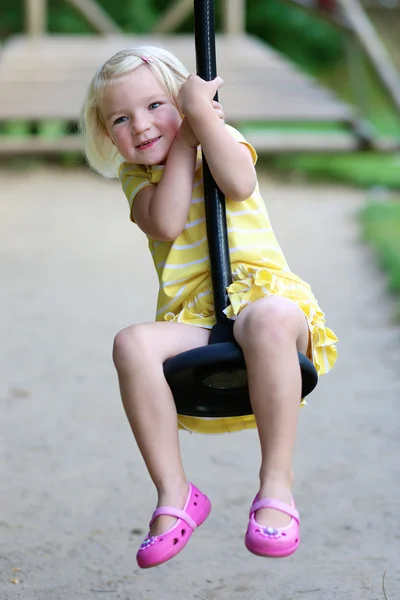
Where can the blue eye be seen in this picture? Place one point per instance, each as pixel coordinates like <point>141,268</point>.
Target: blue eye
<point>154,105</point>
<point>120,120</point>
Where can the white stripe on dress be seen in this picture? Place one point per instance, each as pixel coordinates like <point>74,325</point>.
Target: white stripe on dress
<point>259,247</point>
<point>126,169</point>
<point>189,264</point>
<point>201,295</point>
<point>189,246</point>
<point>174,282</point>
<point>171,302</point>
<point>239,213</point>
<point>194,223</point>
<point>251,231</point>
<point>127,181</point>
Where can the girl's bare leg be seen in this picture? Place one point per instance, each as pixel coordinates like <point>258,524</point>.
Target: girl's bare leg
<point>270,332</point>
<point>139,353</point>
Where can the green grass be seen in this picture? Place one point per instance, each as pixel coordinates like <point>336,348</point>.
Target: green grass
<point>380,223</point>
<point>364,170</point>
<point>292,127</point>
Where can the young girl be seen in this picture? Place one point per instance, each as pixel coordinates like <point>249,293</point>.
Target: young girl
<point>143,120</point>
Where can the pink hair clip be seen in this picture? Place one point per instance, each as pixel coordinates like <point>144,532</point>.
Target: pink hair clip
<point>147,59</point>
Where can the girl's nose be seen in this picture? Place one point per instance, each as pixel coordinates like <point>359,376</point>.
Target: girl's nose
<point>140,123</point>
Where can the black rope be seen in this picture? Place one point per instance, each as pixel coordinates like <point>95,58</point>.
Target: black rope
<point>214,199</point>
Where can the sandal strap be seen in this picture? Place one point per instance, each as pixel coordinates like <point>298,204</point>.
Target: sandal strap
<point>277,505</point>
<point>171,511</point>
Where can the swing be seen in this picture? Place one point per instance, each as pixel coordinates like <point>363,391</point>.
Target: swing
<point>211,381</point>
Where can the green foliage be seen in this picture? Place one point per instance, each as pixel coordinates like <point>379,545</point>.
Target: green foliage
<point>11,18</point>
<point>17,128</point>
<point>381,228</point>
<point>367,93</point>
<point>63,18</point>
<point>301,36</point>
<point>364,170</point>
<point>135,16</point>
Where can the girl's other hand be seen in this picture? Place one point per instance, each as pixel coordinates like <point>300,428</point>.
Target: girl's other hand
<point>195,92</point>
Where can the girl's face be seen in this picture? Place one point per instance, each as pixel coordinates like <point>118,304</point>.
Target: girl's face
<point>141,119</point>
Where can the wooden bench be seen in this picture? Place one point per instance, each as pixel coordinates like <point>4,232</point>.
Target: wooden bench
<point>46,78</point>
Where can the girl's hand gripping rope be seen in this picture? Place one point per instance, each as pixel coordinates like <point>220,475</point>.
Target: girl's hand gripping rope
<point>196,93</point>
<point>185,133</point>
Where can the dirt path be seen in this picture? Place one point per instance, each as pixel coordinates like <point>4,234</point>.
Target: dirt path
<point>75,497</point>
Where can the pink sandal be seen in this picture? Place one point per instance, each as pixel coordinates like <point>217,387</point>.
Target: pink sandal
<point>269,541</point>
<point>160,548</point>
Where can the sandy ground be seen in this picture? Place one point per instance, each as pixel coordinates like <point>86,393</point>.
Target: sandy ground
<point>75,496</point>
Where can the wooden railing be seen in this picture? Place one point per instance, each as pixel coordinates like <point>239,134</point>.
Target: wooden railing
<point>233,17</point>
<point>350,16</point>
<point>97,17</point>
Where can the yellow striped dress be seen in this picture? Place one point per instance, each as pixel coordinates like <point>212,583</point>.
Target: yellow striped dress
<point>259,268</point>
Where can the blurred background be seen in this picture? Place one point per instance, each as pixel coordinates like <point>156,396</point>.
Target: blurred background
<point>314,84</point>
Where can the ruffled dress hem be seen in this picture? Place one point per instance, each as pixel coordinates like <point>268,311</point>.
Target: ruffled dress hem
<point>249,285</point>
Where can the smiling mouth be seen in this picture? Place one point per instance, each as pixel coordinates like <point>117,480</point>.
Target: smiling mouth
<point>148,143</point>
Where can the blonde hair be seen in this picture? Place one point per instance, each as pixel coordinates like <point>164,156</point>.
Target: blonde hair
<point>100,152</point>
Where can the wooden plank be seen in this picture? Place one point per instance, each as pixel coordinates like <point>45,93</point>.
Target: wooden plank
<point>87,55</point>
<point>50,100</point>
<point>254,77</point>
<point>53,106</point>
<point>261,83</point>
<point>303,142</point>
<point>232,94</point>
<point>36,145</point>
<point>93,50</point>
<point>47,78</point>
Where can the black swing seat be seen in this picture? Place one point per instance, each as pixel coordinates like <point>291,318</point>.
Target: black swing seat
<point>211,381</point>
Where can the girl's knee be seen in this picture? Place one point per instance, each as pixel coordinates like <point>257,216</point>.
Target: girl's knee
<point>129,343</point>
<point>271,319</point>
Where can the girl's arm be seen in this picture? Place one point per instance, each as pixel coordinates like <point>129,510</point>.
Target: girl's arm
<point>230,161</point>
<point>161,210</point>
